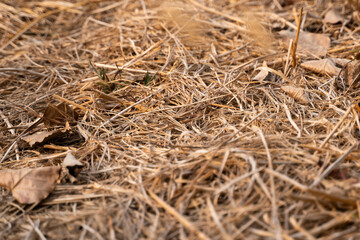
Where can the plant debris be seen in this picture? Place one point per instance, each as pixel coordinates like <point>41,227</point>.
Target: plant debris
<point>30,185</point>
<point>180,119</point>
<point>59,115</point>
<point>333,17</point>
<point>72,166</point>
<point>41,137</point>
<point>351,73</point>
<point>296,93</point>
<point>311,44</point>
<point>324,66</point>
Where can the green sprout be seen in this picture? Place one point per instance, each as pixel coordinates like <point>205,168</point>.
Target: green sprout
<point>105,82</point>
<point>147,78</point>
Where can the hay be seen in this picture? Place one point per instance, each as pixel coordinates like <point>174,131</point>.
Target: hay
<point>180,142</point>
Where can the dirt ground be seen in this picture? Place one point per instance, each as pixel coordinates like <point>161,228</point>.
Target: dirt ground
<point>194,119</point>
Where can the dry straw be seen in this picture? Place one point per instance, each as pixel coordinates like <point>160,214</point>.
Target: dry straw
<point>177,138</point>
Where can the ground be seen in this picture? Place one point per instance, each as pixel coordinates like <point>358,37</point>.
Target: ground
<point>195,119</point>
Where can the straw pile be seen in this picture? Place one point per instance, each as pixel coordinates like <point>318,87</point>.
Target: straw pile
<point>200,127</point>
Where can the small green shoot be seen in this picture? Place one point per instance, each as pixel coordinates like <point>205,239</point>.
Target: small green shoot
<point>105,82</point>
<point>147,78</point>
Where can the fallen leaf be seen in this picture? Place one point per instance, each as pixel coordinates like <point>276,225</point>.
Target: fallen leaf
<point>296,93</point>
<point>332,17</point>
<point>262,74</point>
<point>65,136</point>
<point>356,17</point>
<point>30,185</point>
<point>73,166</point>
<point>40,137</point>
<point>59,115</point>
<point>340,61</point>
<point>309,43</point>
<point>351,73</point>
<point>324,66</point>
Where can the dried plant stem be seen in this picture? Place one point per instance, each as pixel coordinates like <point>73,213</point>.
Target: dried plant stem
<point>184,221</point>
<point>298,227</point>
<point>336,126</point>
<point>36,20</point>
<point>294,46</point>
<point>224,155</point>
<point>125,110</point>
<point>334,165</point>
<point>217,220</point>
<point>275,218</point>
<point>317,193</point>
<point>12,131</point>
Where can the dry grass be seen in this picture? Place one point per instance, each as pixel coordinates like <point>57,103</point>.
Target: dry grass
<point>201,151</point>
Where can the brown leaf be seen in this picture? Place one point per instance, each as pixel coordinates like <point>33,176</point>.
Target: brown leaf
<point>73,165</point>
<point>30,185</point>
<point>309,43</point>
<point>262,74</point>
<point>351,73</point>
<point>340,61</point>
<point>59,115</point>
<point>65,136</point>
<point>325,66</point>
<point>332,17</point>
<point>356,17</point>
<point>296,93</point>
<point>40,137</point>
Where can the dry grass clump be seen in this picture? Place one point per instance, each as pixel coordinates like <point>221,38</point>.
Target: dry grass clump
<point>179,141</point>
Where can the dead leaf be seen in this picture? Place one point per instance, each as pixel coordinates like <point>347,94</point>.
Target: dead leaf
<point>30,185</point>
<point>262,74</point>
<point>40,137</point>
<point>332,17</point>
<point>351,73</point>
<point>356,17</point>
<point>65,136</point>
<point>296,93</point>
<point>59,115</point>
<point>73,166</point>
<point>309,43</point>
<point>324,66</point>
<point>340,61</point>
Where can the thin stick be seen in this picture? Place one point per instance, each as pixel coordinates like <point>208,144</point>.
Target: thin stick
<point>12,131</point>
<point>334,165</point>
<point>275,218</point>
<point>312,191</point>
<point>71,103</point>
<point>336,127</point>
<point>288,114</point>
<point>298,227</point>
<point>293,54</point>
<point>224,234</point>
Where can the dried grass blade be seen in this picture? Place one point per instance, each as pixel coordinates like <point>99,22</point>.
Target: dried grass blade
<point>31,24</point>
<point>184,221</point>
<point>293,53</point>
<point>336,126</point>
<point>334,165</point>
